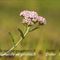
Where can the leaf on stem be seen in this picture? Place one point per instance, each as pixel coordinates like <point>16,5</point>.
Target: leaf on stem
<point>21,33</point>
<point>12,38</point>
<point>34,28</point>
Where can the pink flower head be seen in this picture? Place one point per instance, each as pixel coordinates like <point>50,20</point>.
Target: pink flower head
<point>41,20</point>
<point>31,16</point>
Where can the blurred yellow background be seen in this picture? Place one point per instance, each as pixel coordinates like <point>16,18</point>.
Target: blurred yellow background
<point>46,37</point>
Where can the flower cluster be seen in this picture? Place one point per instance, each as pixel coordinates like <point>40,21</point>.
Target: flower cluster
<point>30,17</point>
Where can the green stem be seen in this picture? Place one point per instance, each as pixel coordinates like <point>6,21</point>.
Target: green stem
<point>18,41</point>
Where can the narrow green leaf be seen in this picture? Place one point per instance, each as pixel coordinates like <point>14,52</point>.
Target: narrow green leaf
<point>21,33</point>
<point>34,28</point>
<point>12,38</point>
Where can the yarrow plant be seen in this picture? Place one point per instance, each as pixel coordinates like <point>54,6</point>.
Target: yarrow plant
<point>30,18</point>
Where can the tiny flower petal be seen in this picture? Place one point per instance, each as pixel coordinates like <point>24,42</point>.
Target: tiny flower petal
<point>33,15</point>
<point>25,13</point>
<point>27,21</point>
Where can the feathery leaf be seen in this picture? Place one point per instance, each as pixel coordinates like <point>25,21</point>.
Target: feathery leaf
<point>12,38</point>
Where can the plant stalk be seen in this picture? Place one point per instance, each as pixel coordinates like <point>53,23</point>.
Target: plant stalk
<point>17,42</point>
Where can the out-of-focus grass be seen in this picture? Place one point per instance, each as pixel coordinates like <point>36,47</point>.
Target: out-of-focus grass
<point>47,37</point>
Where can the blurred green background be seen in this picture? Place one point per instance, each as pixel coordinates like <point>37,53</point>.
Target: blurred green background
<point>47,37</point>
